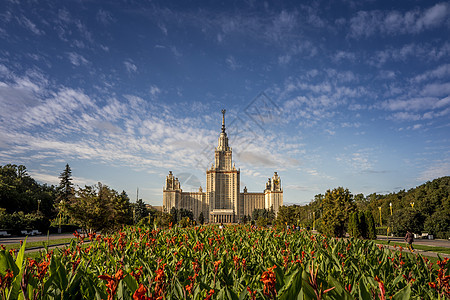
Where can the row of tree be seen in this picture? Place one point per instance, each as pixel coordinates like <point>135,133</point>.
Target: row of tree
<point>425,208</point>
<point>26,204</point>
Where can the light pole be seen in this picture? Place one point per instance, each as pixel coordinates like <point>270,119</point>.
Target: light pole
<point>39,202</point>
<point>390,205</point>
<point>314,222</point>
<point>412,204</point>
<point>381,222</point>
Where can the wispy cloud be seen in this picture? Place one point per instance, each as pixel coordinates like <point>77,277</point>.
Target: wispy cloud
<point>130,66</point>
<point>77,59</point>
<point>28,24</point>
<point>368,23</point>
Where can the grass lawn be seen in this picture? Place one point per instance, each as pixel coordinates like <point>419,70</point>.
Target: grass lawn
<point>39,244</point>
<point>444,250</point>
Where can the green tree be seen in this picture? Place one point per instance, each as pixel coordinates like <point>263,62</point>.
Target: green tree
<point>201,218</point>
<point>370,226</point>
<point>140,210</point>
<point>438,224</point>
<point>337,206</point>
<point>122,211</point>
<point>407,219</point>
<point>66,192</point>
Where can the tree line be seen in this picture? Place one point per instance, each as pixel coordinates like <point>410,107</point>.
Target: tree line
<point>26,204</point>
<point>425,208</point>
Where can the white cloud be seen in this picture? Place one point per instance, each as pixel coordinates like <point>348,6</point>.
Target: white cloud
<point>26,23</point>
<point>130,67</point>
<point>232,64</point>
<point>77,59</point>
<point>368,23</point>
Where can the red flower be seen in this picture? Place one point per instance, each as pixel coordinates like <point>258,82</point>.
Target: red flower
<point>252,293</point>
<point>381,286</point>
<point>113,282</point>
<point>211,292</point>
<point>216,265</point>
<point>269,280</point>
<point>141,293</point>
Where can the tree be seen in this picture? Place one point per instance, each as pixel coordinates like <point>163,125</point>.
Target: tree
<point>66,192</point>
<point>337,206</point>
<point>140,211</point>
<point>98,207</point>
<point>438,224</point>
<point>122,209</point>
<point>408,219</point>
<point>370,223</point>
<point>201,218</point>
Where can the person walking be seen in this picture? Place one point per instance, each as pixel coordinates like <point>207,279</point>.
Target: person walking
<point>409,238</point>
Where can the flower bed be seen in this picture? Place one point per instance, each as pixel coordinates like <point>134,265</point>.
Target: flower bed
<point>208,263</point>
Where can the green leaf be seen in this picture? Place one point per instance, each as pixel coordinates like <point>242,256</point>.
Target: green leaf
<point>403,294</point>
<point>363,292</point>
<point>292,286</point>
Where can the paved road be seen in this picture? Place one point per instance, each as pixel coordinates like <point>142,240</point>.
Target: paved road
<point>36,238</point>
<point>425,242</point>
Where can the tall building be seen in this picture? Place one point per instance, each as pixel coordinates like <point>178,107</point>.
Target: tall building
<point>222,202</point>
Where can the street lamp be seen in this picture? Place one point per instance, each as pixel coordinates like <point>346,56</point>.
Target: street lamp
<point>412,204</point>
<point>381,222</point>
<point>390,205</point>
<point>39,202</point>
<point>314,222</point>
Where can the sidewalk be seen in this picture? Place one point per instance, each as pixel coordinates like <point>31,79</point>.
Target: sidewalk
<point>424,242</point>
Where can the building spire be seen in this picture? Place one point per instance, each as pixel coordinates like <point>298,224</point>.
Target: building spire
<point>223,120</point>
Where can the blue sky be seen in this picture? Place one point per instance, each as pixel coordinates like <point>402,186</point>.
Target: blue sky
<point>326,93</point>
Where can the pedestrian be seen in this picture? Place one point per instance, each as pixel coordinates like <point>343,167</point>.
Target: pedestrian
<point>409,238</point>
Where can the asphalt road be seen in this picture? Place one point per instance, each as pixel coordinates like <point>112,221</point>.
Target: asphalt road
<point>425,242</point>
<point>35,238</point>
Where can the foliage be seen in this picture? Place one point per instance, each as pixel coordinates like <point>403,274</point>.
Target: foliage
<point>370,222</point>
<point>20,192</point>
<point>66,192</point>
<point>179,214</point>
<point>438,225</point>
<point>406,219</point>
<point>18,221</point>
<point>99,207</point>
<point>140,210</point>
<point>201,218</point>
<point>362,225</point>
<point>337,206</point>
<point>237,262</point>
<point>267,214</point>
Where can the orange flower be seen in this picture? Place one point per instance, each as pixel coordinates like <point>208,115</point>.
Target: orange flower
<point>269,280</point>
<point>381,287</point>
<point>140,293</point>
<point>113,282</point>
<point>211,292</point>
<point>216,265</point>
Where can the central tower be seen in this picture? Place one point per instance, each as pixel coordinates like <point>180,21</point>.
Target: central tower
<point>223,179</point>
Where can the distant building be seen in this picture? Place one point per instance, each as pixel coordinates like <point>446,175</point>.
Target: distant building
<point>222,202</point>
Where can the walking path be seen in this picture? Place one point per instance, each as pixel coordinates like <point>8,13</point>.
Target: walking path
<point>424,242</point>
<point>34,238</point>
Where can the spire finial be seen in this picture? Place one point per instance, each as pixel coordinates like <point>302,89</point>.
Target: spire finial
<point>223,119</point>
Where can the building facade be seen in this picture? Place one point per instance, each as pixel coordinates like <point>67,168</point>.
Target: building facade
<point>222,202</point>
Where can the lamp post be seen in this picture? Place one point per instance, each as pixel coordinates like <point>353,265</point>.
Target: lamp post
<point>390,206</point>
<point>412,204</point>
<point>39,202</point>
<point>314,222</point>
<point>381,222</point>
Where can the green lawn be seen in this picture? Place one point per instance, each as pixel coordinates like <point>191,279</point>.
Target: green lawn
<point>444,250</point>
<point>39,244</point>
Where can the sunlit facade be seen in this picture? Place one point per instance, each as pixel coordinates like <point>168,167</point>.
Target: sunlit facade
<point>222,202</point>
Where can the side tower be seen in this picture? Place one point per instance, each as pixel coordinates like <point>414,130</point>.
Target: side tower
<point>273,194</point>
<point>171,193</point>
<point>222,183</point>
